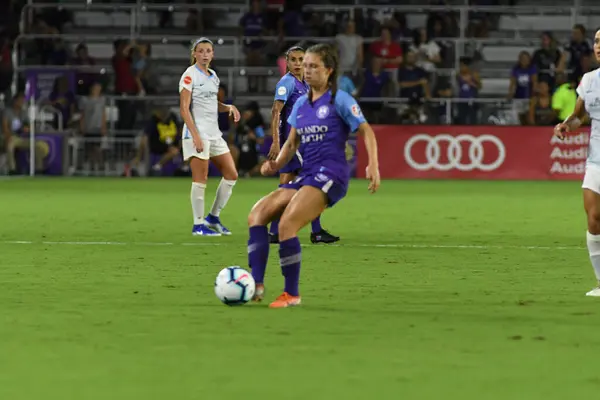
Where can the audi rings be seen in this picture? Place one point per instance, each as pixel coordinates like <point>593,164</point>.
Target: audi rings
<point>433,150</point>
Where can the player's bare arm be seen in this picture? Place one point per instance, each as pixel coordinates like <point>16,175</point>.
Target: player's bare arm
<point>368,135</point>
<point>288,150</point>
<point>573,121</point>
<point>275,117</point>
<point>231,109</point>
<point>185,99</point>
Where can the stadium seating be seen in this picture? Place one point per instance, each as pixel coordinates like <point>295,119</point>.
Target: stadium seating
<point>516,31</point>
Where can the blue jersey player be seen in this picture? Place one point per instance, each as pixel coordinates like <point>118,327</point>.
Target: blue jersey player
<point>321,122</point>
<point>291,87</point>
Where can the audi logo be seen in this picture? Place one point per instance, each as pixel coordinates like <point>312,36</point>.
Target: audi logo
<point>454,158</point>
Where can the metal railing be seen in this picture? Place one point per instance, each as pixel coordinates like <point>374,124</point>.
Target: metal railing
<point>449,105</point>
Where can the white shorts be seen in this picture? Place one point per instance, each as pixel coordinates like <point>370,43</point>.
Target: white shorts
<point>212,148</point>
<point>591,179</point>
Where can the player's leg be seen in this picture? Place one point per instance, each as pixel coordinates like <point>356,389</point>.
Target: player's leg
<point>199,168</point>
<point>591,202</point>
<point>264,211</point>
<point>284,177</point>
<point>304,207</point>
<point>221,156</point>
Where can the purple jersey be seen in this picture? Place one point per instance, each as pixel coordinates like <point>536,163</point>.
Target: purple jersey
<point>323,129</point>
<point>289,89</point>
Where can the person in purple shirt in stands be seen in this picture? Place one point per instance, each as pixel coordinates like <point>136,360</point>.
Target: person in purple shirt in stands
<point>254,26</point>
<point>287,91</point>
<point>523,78</point>
<point>321,122</point>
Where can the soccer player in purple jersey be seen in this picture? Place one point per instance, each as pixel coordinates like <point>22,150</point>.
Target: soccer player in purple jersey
<point>289,88</point>
<point>321,123</point>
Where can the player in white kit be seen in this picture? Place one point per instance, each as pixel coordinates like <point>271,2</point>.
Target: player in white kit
<point>588,101</point>
<point>202,140</point>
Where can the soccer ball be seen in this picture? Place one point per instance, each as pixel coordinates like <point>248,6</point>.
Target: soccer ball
<point>234,286</point>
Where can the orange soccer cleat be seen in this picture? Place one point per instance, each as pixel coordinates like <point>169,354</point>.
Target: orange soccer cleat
<point>285,300</point>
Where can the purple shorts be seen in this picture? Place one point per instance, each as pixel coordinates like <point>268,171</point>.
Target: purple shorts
<point>332,186</point>
<point>293,167</point>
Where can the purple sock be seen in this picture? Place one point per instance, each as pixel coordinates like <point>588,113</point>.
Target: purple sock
<point>290,255</point>
<point>258,252</point>
<point>275,227</point>
<point>316,225</point>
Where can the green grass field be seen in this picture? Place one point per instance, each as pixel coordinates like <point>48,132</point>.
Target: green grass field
<point>438,290</point>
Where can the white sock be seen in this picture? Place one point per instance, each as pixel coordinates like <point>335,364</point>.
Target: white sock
<point>197,198</point>
<point>223,194</point>
<point>593,244</point>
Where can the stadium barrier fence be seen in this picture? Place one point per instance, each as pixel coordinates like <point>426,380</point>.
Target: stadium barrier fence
<point>476,152</point>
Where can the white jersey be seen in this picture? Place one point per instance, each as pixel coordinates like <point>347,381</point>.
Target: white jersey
<point>589,91</point>
<point>204,106</point>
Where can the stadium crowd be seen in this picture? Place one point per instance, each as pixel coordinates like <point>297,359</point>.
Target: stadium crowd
<point>379,56</point>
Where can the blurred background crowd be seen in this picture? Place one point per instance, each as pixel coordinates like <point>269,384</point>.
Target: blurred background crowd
<point>105,72</point>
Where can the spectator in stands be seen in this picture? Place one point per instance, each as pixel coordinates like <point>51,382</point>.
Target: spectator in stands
<point>375,85</point>
<point>578,47</point>
<point>15,128</point>
<point>250,135</point>
<point>63,100</point>
<point>291,23</point>
<point>540,107</point>
<point>367,25</point>
<point>427,51</point>
<point>414,87</point>
<point>400,31</point>
<point>565,96</point>
<point>274,10</point>
<point>586,66</point>
<point>6,66</point>
<point>142,68</point>
<point>58,54</point>
<point>523,83</point>
<point>350,46</point>
<point>92,125</point>
<point>438,34</point>
<point>161,138</point>
<point>441,111</point>
<point>548,59</point>
<point>85,77</point>
<point>253,24</point>
<point>390,52</point>
<point>125,84</point>
<point>469,85</point>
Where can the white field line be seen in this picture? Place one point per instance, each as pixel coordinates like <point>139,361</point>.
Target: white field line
<point>213,244</point>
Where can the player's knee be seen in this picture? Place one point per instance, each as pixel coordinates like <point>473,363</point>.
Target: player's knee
<point>287,229</point>
<point>594,221</point>
<point>230,176</point>
<point>255,218</point>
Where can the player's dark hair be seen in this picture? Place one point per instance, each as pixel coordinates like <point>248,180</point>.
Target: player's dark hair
<point>329,56</point>
<point>195,44</point>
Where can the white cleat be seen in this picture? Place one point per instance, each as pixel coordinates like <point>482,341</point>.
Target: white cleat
<point>594,292</point>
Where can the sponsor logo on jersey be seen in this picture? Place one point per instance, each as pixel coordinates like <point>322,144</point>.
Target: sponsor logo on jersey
<point>281,91</point>
<point>187,80</point>
<point>313,129</point>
